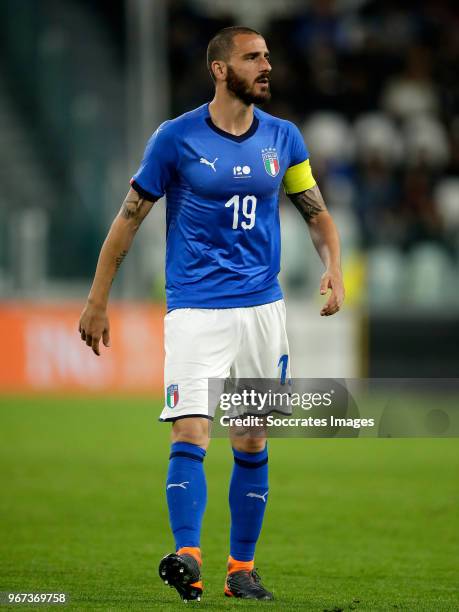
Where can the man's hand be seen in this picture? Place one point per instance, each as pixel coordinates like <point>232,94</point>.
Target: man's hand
<point>93,326</point>
<point>332,280</point>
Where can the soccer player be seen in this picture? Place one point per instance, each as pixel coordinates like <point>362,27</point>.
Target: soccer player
<point>221,167</point>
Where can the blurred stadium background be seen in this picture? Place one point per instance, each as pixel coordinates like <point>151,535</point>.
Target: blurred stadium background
<point>374,87</point>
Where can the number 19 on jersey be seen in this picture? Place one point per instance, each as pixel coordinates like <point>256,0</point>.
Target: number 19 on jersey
<point>249,207</point>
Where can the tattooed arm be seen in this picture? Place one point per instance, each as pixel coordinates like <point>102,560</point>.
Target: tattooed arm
<point>326,241</point>
<point>94,323</point>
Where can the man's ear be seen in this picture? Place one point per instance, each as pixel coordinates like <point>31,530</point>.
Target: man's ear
<point>219,69</point>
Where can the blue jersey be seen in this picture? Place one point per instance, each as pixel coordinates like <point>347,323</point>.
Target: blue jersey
<point>222,196</point>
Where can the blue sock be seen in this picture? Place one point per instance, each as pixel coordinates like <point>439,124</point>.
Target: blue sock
<point>186,493</point>
<point>247,497</point>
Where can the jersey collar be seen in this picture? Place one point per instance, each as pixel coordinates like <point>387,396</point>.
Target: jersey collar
<point>250,132</point>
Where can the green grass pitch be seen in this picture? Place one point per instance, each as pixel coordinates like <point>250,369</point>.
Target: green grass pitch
<point>356,524</point>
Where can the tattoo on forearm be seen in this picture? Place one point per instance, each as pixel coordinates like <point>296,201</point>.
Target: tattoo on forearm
<point>119,260</point>
<point>135,208</point>
<point>310,203</point>
<point>132,206</point>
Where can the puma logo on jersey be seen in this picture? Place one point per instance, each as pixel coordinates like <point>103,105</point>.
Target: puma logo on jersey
<point>205,161</point>
<point>257,495</point>
<point>178,484</point>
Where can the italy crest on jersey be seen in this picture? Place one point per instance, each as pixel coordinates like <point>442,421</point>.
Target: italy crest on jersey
<point>270,161</point>
<point>172,396</point>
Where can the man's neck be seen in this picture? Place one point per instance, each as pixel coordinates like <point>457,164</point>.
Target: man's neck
<point>230,114</point>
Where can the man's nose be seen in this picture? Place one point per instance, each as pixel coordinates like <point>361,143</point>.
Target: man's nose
<point>267,65</point>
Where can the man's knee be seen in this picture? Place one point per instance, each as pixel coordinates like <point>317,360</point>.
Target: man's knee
<point>249,444</point>
<point>194,430</point>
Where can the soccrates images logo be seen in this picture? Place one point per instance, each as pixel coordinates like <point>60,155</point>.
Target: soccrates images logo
<point>172,396</point>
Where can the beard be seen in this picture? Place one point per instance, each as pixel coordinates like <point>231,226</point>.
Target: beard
<point>246,92</point>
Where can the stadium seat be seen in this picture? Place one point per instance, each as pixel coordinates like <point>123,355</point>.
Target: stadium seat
<point>426,140</point>
<point>299,262</point>
<point>329,136</point>
<point>376,134</point>
<point>386,276</point>
<point>446,195</point>
<point>429,278</point>
<point>403,97</point>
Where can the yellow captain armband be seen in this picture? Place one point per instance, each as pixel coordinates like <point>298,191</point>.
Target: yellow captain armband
<point>298,178</point>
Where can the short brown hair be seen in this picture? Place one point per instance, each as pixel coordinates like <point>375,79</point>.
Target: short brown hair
<point>221,45</point>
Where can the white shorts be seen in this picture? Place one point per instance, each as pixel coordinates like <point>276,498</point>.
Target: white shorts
<point>219,343</point>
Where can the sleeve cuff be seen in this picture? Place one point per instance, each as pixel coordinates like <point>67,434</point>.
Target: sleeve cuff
<point>143,192</point>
